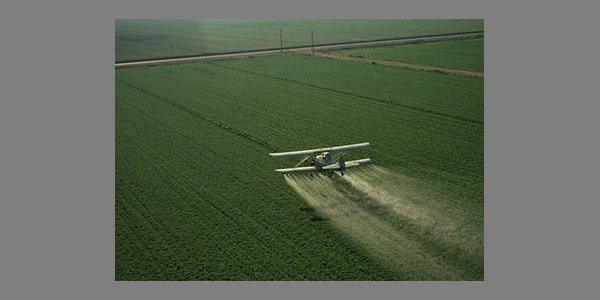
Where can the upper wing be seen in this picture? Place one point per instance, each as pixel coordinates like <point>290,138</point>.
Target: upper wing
<point>313,151</point>
<point>297,170</point>
<point>349,147</point>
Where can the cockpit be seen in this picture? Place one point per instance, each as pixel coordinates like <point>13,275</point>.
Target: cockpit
<point>324,159</point>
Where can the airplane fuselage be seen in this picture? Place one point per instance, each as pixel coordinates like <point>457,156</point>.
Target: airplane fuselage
<point>324,159</point>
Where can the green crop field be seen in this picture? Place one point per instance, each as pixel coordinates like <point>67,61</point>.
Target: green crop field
<point>197,197</point>
<point>148,39</point>
<point>457,54</point>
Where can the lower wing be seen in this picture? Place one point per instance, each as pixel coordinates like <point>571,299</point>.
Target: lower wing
<point>349,164</point>
<point>336,166</point>
<point>297,170</point>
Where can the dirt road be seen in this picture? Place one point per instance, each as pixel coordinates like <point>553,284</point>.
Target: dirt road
<point>400,64</point>
<point>298,49</point>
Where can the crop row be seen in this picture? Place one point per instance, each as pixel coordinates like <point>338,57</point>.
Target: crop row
<point>210,212</point>
<point>288,114</point>
<point>196,195</point>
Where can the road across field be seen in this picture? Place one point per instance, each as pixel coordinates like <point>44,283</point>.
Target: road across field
<point>299,49</point>
<point>401,64</point>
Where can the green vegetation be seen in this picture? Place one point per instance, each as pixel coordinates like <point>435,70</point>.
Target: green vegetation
<point>457,54</point>
<point>148,39</point>
<point>197,197</point>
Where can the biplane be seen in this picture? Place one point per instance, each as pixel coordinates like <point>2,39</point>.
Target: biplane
<point>322,159</point>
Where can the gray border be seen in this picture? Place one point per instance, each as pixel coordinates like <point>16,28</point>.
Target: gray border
<point>57,151</point>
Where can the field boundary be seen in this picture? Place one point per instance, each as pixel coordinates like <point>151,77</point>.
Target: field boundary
<point>319,47</point>
<point>400,64</point>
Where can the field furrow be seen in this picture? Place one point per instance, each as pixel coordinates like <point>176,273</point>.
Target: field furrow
<point>308,105</point>
<point>363,97</point>
<point>276,240</point>
<point>197,197</point>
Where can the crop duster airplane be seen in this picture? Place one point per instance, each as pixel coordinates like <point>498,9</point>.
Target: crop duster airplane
<point>322,160</point>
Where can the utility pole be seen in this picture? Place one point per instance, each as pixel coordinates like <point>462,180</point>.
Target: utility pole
<point>312,42</point>
<point>281,40</point>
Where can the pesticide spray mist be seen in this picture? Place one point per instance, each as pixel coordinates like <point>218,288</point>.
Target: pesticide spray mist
<point>341,206</point>
<point>392,191</point>
<point>400,195</point>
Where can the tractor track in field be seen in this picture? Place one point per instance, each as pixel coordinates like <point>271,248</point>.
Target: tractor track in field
<point>267,230</point>
<point>198,115</point>
<point>261,239</point>
<point>263,244</point>
<point>327,47</point>
<point>408,107</point>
